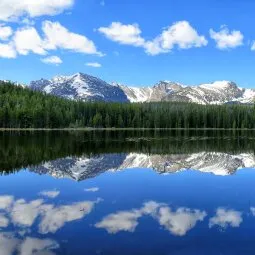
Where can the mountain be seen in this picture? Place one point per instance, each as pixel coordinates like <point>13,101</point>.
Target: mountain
<point>80,87</point>
<point>82,168</point>
<point>88,88</point>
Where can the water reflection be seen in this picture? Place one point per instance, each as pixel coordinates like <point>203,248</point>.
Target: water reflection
<point>177,222</point>
<point>226,218</point>
<point>74,193</point>
<point>10,244</point>
<point>23,214</point>
<point>81,168</point>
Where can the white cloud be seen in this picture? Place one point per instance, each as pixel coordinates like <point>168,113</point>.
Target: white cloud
<point>93,64</point>
<point>225,218</point>
<point>50,193</point>
<point>7,50</point>
<point>5,32</point>
<point>124,34</point>
<point>8,243</point>
<point>28,40</point>
<point>24,213</point>
<point>5,201</point>
<point>93,189</point>
<point>180,34</point>
<point>4,222</point>
<point>120,221</point>
<point>32,246</point>
<point>253,46</point>
<point>126,220</point>
<point>59,37</point>
<point>180,221</point>
<point>12,10</point>
<point>54,37</point>
<point>252,210</point>
<point>55,218</point>
<point>226,39</point>
<point>55,60</point>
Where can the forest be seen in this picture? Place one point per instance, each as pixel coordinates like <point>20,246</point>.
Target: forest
<point>24,108</point>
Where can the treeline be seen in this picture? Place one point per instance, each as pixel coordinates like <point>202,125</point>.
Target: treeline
<point>23,108</point>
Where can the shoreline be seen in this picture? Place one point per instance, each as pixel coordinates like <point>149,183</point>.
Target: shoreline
<point>125,129</point>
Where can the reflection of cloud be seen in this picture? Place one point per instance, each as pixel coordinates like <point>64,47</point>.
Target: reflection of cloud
<point>50,193</point>
<point>225,218</point>
<point>93,189</point>
<point>120,221</point>
<point>126,220</point>
<point>4,222</point>
<point>35,246</point>
<point>178,222</point>
<point>55,218</point>
<point>9,244</point>
<point>5,202</point>
<point>252,210</point>
<point>24,213</point>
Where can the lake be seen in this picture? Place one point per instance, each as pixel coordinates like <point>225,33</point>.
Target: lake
<point>127,192</point>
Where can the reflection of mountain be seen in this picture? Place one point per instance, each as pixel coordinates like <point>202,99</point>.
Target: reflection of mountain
<point>81,168</point>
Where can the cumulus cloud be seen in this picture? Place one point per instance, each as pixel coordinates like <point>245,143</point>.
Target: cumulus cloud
<point>225,218</point>
<point>55,218</point>
<point>7,50</point>
<point>12,10</point>
<point>32,246</point>
<point>126,220</point>
<point>5,32</point>
<point>181,34</point>
<point>124,34</point>
<point>93,64</point>
<point>9,244</point>
<point>226,39</point>
<point>177,222</point>
<point>6,201</point>
<point>24,213</point>
<point>4,222</point>
<point>55,60</point>
<point>120,221</point>
<point>59,37</point>
<point>252,210</point>
<point>28,40</point>
<point>54,37</point>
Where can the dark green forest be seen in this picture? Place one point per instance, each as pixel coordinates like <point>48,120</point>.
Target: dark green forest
<point>23,108</point>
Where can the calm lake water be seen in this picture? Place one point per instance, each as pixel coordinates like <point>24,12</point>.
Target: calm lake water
<point>126,193</point>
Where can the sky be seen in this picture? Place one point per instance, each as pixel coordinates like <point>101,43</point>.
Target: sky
<point>134,42</point>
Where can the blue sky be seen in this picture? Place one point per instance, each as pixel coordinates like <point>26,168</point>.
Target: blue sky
<point>128,41</point>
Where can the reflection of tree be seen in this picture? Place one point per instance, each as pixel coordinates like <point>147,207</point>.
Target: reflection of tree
<point>20,150</point>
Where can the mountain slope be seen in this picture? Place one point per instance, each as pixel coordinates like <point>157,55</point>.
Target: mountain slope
<point>80,87</point>
<point>88,88</point>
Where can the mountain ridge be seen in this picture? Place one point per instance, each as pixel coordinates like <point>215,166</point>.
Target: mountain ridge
<point>89,88</point>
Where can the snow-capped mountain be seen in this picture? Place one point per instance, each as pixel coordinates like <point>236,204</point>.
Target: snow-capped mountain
<point>80,87</point>
<point>88,88</point>
<point>81,168</point>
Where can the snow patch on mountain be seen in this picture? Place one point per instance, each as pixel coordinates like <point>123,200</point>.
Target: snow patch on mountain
<point>88,88</point>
